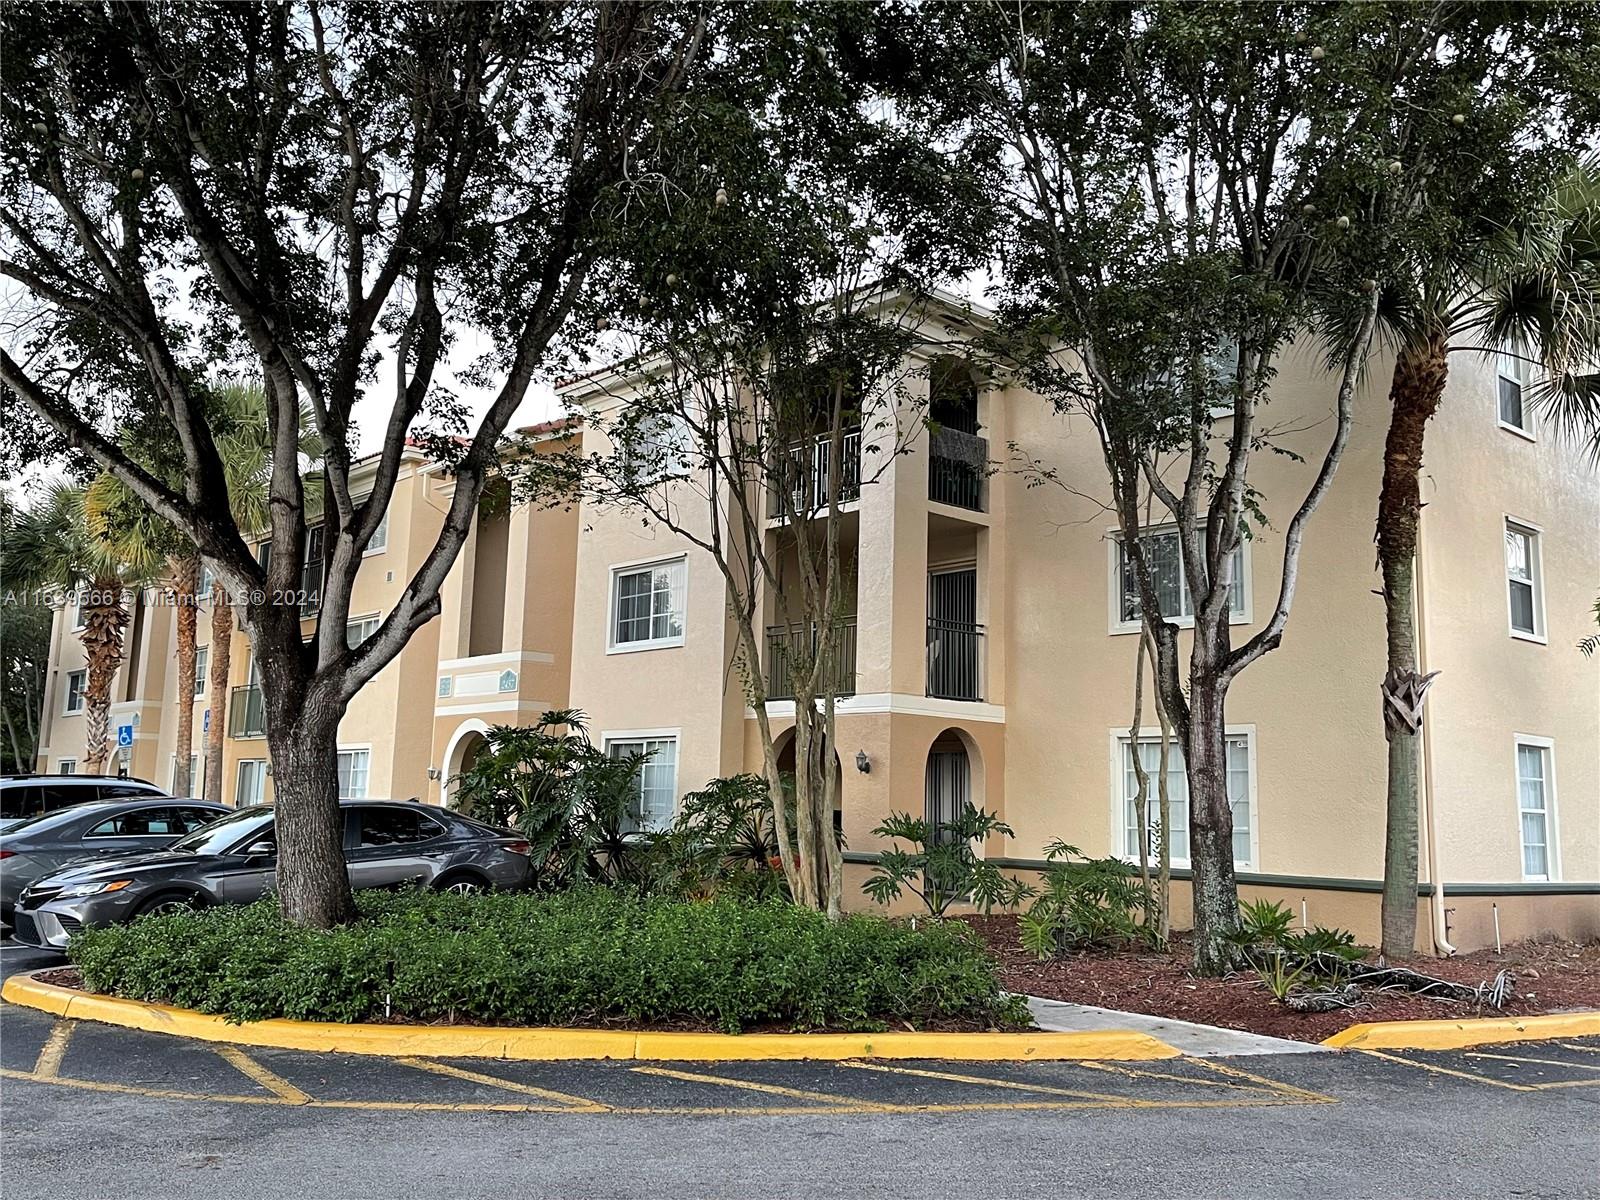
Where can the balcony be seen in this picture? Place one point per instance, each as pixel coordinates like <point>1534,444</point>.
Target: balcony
<point>808,491</point>
<point>794,645</point>
<point>247,712</point>
<point>955,660</point>
<point>957,463</point>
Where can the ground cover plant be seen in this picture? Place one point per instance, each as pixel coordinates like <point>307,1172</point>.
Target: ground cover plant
<point>591,956</point>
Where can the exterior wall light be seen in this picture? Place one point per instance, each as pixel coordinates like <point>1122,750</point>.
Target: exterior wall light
<point>433,772</point>
<point>863,763</point>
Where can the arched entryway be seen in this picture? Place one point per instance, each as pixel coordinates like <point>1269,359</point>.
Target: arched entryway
<point>786,768</point>
<point>466,743</point>
<point>947,782</point>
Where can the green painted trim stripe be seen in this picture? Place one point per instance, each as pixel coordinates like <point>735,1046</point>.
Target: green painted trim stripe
<point>1315,882</point>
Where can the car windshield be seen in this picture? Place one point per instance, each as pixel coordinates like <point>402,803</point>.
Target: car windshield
<point>219,835</point>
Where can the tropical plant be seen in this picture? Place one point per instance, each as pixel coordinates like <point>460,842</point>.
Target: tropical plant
<point>1264,921</point>
<point>61,545</point>
<point>724,841</point>
<point>24,659</point>
<point>1280,975</point>
<point>1085,903</point>
<point>942,868</point>
<point>1591,643</point>
<point>577,805</point>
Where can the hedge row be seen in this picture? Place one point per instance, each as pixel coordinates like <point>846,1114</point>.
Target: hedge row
<point>588,957</point>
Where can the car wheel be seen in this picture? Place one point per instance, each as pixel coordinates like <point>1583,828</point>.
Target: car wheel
<point>170,902</point>
<point>463,885</point>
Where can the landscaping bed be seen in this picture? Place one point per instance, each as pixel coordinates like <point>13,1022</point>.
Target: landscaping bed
<point>1548,977</point>
<point>592,957</point>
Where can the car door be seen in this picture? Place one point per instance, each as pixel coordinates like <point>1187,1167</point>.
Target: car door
<point>240,878</point>
<point>388,845</point>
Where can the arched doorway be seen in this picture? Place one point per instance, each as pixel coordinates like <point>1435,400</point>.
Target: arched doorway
<point>947,783</point>
<point>466,743</point>
<point>786,768</point>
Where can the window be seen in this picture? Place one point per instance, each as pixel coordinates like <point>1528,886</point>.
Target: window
<point>77,681</point>
<point>379,541</point>
<point>144,822</point>
<point>658,777</point>
<point>656,446</point>
<point>78,620</point>
<point>360,629</point>
<point>208,580</point>
<point>1535,801</point>
<point>647,605</point>
<point>196,776</point>
<point>1165,558</point>
<point>201,657</point>
<point>252,782</point>
<point>385,826</point>
<point>1511,377</point>
<point>1239,797</point>
<point>353,774</point>
<point>1524,586</point>
<point>67,766</point>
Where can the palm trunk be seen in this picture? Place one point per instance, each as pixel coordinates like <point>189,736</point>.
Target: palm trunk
<point>1418,384</point>
<point>105,619</point>
<point>185,579</point>
<point>217,668</point>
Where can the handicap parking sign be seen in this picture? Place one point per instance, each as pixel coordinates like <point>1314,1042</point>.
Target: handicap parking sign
<point>124,736</point>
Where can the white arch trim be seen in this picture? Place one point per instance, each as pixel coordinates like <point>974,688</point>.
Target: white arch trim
<point>452,752</point>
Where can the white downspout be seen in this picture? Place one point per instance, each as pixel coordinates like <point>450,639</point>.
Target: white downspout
<point>1441,942</point>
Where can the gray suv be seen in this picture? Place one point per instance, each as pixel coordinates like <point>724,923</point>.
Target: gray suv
<point>24,796</point>
<point>235,860</point>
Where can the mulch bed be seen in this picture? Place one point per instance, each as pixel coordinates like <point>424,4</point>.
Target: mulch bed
<point>1549,977</point>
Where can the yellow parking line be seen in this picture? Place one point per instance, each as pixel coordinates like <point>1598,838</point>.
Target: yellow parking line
<point>1575,1046</point>
<point>1438,1070</point>
<point>276,1084</point>
<point>48,1065</point>
<point>1543,1062</point>
<point>1271,1085</point>
<point>510,1085</point>
<point>770,1088</point>
<point>1135,1073</point>
<point>1564,1083</point>
<point>128,1089</point>
<point>1045,1089</point>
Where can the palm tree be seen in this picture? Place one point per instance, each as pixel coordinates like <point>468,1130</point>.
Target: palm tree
<point>1533,291</point>
<point>60,544</point>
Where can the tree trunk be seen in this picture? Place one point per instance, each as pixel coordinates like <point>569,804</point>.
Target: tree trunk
<point>105,619</point>
<point>303,742</point>
<point>1141,802</point>
<point>221,654</point>
<point>186,578</point>
<point>1216,891</point>
<point>1419,378</point>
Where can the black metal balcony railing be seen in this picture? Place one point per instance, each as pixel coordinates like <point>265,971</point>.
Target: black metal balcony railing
<point>957,463</point>
<point>812,474</point>
<point>955,660</point>
<point>247,712</point>
<point>789,646</point>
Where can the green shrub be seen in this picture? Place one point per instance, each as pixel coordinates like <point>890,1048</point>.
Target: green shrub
<point>941,868</point>
<point>1084,903</point>
<point>588,956</point>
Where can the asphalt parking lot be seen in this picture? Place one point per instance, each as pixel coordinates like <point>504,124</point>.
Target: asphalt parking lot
<point>90,1110</point>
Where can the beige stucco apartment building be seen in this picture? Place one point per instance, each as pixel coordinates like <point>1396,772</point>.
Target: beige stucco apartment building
<point>994,657</point>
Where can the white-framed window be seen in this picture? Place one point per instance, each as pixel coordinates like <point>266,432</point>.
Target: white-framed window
<point>251,783</point>
<point>353,764</point>
<point>1240,751</point>
<point>360,629</point>
<point>77,683</point>
<point>197,783</point>
<point>379,542</point>
<point>202,657</point>
<point>67,766</point>
<point>208,579</point>
<point>1164,555</point>
<point>647,605</point>
<point>656,446</point>
<point>1512,374</point>
<point>1536,796</point>
<point>658,776</point>
<point>1524,581</point>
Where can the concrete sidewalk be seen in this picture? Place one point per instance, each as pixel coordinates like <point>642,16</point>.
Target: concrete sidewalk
<point>1199,1041</point>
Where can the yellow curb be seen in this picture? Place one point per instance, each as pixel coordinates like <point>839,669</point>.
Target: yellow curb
<point>487,1041</point>
<point>1457,1035</point>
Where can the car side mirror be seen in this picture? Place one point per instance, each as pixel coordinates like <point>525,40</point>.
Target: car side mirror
<point>261,849</point>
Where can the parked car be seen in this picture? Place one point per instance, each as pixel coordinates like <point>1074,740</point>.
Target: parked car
<point>24,796</point>
<point>234,861</point>
<point>100,829</point>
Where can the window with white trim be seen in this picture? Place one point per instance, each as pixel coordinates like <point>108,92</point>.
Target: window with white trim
<point>1524,587</point>
<point>353,774</point>
<point>647,605</point>
<point>197,783</point>
<point>202,656</point>
<point>1534,787</point>
<point>77,683</point>
<point>658,777</point>
<point>1512,373</point>
<point>379,541</point>
<point>1239,792</point>
<point>360,629</point>
<point>1164,556</point>
<point>67,766</point>
<point>251,783</point>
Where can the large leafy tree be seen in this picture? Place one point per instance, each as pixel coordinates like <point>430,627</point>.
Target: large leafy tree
<point>328,197</point>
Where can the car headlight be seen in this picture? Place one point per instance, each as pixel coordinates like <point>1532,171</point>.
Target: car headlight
<point>77,890</point>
